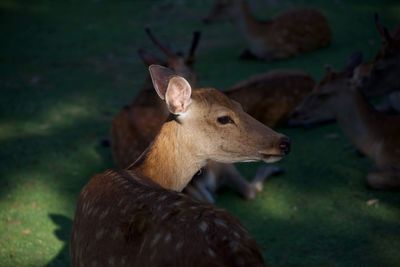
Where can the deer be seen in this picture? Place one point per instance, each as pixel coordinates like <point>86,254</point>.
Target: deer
<point>376,78</point>
<point>138,217</point>
<point>373,133</point>
<point>286,35</point>
<point>272,96</point>
<point>137,124</point>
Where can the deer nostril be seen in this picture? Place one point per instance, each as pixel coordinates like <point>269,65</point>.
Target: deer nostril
<point>284,145</point>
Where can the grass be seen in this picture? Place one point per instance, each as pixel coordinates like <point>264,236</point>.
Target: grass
<point>67,67</point>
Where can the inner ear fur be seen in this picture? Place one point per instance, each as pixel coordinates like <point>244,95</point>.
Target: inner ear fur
<point>178,95</point>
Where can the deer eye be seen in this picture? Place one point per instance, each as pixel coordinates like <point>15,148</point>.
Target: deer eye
<point>225,120</point>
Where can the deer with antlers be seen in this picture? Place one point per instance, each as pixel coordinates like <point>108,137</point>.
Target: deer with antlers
<point>376,78</point>
<point>373,133</point>
<point>137,217</point>
<point>286,35</point>
<point>136,125</point>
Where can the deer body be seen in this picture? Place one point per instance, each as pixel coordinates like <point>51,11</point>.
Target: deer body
<point>375,134</point>
<point>291,33</point>
<point>137,217</point>
<point>272,96</point>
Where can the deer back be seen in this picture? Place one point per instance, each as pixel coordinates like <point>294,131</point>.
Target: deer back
<point>272,96</point>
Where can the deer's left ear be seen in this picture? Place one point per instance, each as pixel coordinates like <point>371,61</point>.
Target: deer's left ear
<point>178,95</point>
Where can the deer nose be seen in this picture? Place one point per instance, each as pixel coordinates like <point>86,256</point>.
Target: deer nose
<point>284,145</point>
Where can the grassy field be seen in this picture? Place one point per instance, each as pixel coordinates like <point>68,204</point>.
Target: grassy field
<point>67,67</point>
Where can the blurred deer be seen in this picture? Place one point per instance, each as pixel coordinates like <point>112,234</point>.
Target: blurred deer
<point>272,96</point>
<point>384,71</point>
<point>136,125</point>
<point>291,33</point>
<point>375,134</point>
<point>376,78</point>
<point>137,217</point>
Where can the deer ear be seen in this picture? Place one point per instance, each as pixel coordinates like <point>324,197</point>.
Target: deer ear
<point>352,63</point>
<point>160,76</point>
<point>178,95</point>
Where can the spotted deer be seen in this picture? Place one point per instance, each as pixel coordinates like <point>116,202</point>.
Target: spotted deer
<point>286,35</point>
<point>137,217</point>
<point>373,133</point>
<point>136,125</point>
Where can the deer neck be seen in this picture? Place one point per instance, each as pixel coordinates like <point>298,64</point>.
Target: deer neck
<point>244,20</point>
<point>169,161</point>
<point>357,119</point>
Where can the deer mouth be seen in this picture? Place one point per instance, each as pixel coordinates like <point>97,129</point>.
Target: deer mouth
<point>270,158</point>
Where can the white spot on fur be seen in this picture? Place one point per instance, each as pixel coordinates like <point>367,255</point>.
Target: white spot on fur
<point>162,198</point>
<point>179,245</point>
<point>104,213</point>
<point>236,234</point>
<point>120,202</point>
<point>179,203</point>
<point>220,222</point>
<point>211,252</point>
<point>203,226</point>
<point>167,238</point>
<point>111,261</point>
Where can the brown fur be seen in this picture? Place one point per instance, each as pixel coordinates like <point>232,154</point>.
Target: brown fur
<point>133,218</point>
<point>286,35</point>
<point>375,134</point>
<point>136,125</point>
<point>384,74</point>
<point>271,97</point>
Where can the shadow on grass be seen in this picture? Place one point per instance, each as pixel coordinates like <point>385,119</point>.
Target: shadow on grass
<point>62,233</point>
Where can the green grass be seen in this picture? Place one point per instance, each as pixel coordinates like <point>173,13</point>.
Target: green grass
<point>66,68</point>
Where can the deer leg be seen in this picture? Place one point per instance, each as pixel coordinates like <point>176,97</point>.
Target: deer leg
<point>384,180</point>
<point>202,187</point>
<point>232,178</point>
<point>262,174</point>
<point>199,192</point>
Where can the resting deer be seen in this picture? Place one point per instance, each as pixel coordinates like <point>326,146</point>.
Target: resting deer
<point>374,134</point>
<point>137,217</point>
<point>271,97</point>
<point>376,78</point>
<point>136,125</point>
<point>290,33</point>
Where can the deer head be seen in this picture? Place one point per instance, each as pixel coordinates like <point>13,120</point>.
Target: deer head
<point>213,125</point>
<point>320,105</point>
<point>385,68</point>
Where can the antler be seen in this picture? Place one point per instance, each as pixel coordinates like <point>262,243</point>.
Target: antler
<point>193,47</point>
<point>162,47</point>
<point>383,31</point>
